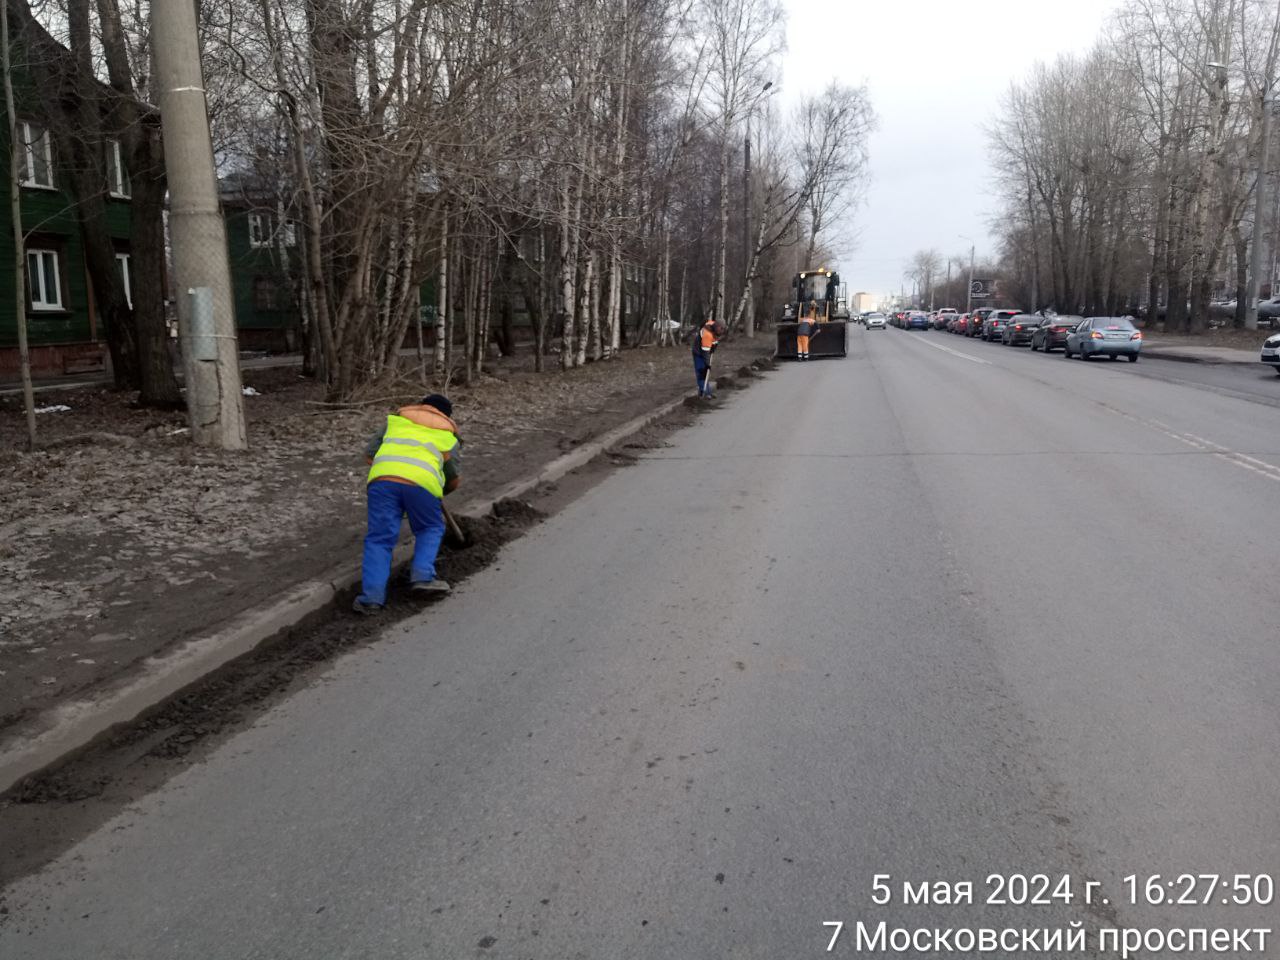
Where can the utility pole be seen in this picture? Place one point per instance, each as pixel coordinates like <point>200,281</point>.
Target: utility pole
<point>968,305</point>
<point>1255,246</point>
<point>202,274</point>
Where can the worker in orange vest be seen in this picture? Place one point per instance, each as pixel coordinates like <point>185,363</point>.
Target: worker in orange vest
<point>704,344</point>
<point>807,327</point>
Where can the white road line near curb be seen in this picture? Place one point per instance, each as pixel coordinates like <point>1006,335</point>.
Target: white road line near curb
<point>955,353</point>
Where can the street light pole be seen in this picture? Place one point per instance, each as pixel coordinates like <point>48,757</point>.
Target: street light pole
<point>1255,251</point>
<point>968,304</point>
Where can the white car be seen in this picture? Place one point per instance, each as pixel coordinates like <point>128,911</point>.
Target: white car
<point>875,321</point>
<point>1271,352</point>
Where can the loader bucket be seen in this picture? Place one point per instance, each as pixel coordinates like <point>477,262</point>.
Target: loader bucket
<point>831,340</point>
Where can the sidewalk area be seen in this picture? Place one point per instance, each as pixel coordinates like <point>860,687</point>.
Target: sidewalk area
<point>81,381</point>
<point>120,547</point>
<point>1213,346</point>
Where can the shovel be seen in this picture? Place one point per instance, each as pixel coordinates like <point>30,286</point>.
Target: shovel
<point>452,530</point>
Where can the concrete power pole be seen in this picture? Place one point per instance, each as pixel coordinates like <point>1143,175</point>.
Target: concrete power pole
<point>202,273</point>
<point>968,306</point>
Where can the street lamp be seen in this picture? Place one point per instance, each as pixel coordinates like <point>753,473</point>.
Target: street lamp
<point>1255,250</point>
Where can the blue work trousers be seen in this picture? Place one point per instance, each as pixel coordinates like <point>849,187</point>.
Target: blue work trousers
<point>701,365</point>
<point>388,502</point>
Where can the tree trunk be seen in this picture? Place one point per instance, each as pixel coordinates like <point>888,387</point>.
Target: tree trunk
<point>158,383</point>
<point>718,307</point>
<point>442,300</point>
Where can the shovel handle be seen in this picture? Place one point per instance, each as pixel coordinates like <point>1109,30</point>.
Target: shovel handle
<point>451,525</point>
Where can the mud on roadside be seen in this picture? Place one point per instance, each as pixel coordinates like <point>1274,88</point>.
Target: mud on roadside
<point>130,540</point>
<point>48,812</point>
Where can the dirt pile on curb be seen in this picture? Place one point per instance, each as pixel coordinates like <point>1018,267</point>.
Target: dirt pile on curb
<point>230,695</point>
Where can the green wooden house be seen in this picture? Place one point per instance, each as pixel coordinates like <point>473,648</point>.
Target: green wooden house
<point>266,263</point>
<point>63,328</point>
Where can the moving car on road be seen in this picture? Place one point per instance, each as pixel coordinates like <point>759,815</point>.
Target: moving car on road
<point>1106,337</point>
<point>1053,332</point>
<point>1017,332</point>
<point>875,321</point>
<point>1271,352</point>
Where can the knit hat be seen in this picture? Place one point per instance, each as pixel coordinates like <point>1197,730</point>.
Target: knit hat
<point>440,402</point>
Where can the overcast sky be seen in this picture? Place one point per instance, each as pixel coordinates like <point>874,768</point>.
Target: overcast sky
<point>936,70</point>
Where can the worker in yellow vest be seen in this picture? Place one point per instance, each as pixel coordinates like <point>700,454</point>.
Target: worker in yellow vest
<point>413,464</point>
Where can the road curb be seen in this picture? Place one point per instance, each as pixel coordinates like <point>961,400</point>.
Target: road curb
<point>56,734</point>
<point>1158,354</point>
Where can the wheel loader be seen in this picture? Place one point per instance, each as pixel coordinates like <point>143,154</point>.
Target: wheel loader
<point>817,297</point>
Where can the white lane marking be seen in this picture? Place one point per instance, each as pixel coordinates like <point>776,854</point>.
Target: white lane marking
<point>1261,467</point>
<point>955,353</point>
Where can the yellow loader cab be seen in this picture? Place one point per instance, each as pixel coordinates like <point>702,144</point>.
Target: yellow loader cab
<point>817,303</point>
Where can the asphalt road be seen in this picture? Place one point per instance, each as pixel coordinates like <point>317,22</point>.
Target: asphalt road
<point>940,610</point>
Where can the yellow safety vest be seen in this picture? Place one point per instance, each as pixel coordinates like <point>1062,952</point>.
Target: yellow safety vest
<point>413,452</point>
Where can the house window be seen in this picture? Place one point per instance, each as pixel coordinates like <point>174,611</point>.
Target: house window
<point>44,280</point>
<point>259,230</point>
<point>36,156</point>
<point>262,231</point>
<point>126,277</point>
<point>266,294</point>
<point>117,175</point>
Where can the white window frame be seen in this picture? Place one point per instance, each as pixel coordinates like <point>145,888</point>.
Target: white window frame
<point>125,262</point>
<point>290,233</point>
<point>33,133</point>
<point>259,230</point>
<point>43,303</point>
<point>118,184</point>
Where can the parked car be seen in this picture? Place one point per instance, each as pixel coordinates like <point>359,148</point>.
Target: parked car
<point>1017,332</point>
<point>875,321</point>
<point>1271,351</point>
<point>977,321</point>
<point>1106,337</point>
<point>1053,332</point>
<point>945,316</point>
<point>916,320</point>
<point>993,326</point>
<point>1269,311</point>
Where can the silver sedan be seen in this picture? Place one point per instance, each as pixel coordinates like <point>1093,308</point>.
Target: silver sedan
<point>1104,337</point>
